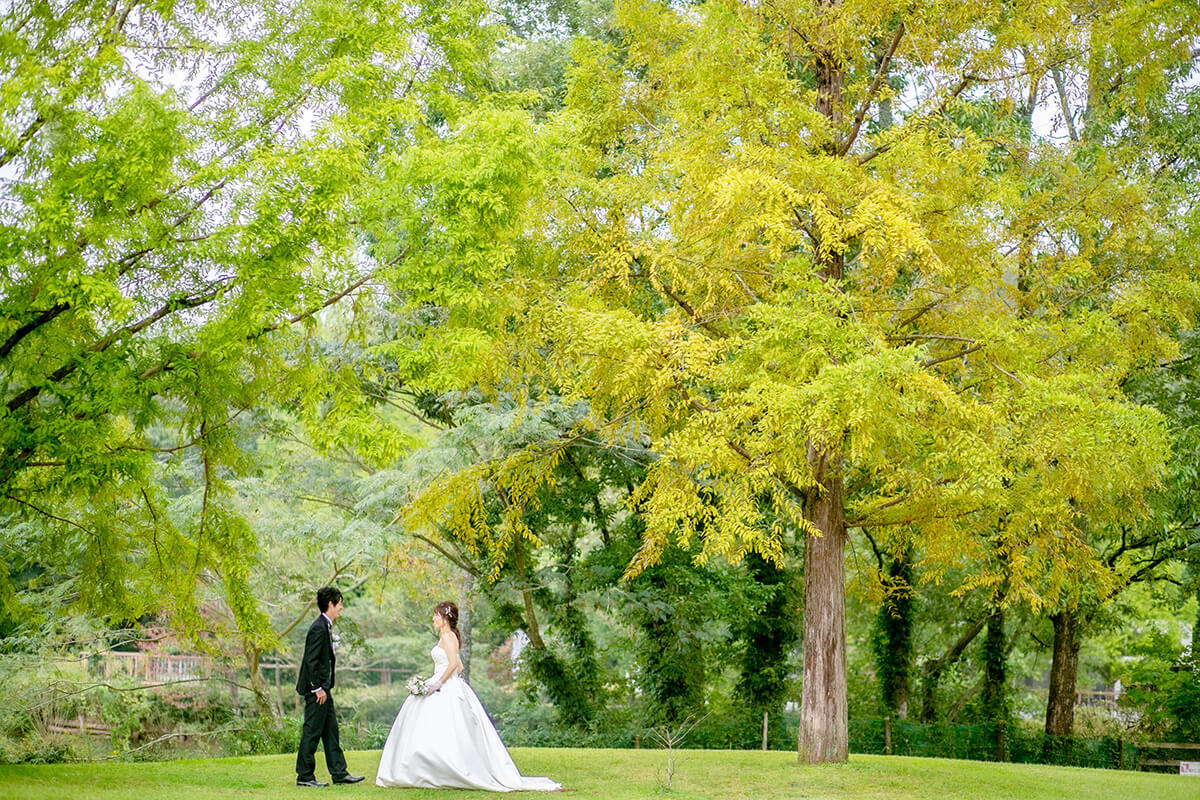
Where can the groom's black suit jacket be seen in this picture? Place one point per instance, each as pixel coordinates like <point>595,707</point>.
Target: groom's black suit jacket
<point>316,668</point>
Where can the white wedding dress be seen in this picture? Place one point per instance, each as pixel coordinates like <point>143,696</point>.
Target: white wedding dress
<point>446,741</point>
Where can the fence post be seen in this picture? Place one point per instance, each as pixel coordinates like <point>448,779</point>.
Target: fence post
<point>887,735</point>
<point>765,714</point>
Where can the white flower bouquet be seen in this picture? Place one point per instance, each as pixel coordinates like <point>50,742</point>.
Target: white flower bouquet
<point>416,685</point>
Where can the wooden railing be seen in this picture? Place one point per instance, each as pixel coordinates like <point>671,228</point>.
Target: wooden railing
<point>79,724</point>
<point>386,674</point>
<point>1179,746</point>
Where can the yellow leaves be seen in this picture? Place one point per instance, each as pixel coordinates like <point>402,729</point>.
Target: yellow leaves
<point>619,361</point>
<point>679,504</point>
<point>462,503</point>
<point>751,205</point>
<point>991,293</point>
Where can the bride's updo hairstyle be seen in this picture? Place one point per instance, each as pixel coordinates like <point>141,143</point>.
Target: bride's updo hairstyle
<point>449,612</point>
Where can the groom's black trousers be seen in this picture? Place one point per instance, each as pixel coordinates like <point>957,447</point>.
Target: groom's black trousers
<point>320,725</point>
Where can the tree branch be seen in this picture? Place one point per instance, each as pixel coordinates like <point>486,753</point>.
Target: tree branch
<point>48,515</point>
<point>954,93</point>
<point>11,152</point>
<point>880,75</point>
<point>168,308</point>
<point>951,655</point>
<point>453,559</point>
<point>337,571</point>
<point>1060,84</point>
<point>29,327</point>
<point>966,351</point>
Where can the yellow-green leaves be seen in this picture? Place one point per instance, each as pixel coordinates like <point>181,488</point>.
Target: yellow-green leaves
<point>949,303</point>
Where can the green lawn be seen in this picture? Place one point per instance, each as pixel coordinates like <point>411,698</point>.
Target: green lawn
<point>615,775</point>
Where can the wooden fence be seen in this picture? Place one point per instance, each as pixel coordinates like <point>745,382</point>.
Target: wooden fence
<point>1158,762</point>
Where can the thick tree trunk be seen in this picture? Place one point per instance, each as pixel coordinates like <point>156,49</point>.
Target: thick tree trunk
<point>995,682</point>
<point>893,638</point>
<point>1064,671</point>
<point>824,718</point>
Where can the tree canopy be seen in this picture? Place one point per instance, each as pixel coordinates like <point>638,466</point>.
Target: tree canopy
<point>818,256</point>
<point>185,186</point>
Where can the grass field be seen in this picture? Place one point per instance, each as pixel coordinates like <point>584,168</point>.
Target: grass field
<point>612,775</point>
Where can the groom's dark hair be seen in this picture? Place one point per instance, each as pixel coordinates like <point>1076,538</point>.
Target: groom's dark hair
<point>327,595</point>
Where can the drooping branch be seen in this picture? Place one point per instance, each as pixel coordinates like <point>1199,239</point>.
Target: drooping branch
<point>47,514</point>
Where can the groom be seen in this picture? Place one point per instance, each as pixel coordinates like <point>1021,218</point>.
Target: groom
<point>315,685</point>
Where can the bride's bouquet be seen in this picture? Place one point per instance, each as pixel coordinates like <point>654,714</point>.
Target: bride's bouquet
<point>416,685</point>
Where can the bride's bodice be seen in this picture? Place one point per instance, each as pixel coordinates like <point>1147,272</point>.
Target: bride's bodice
<point>440,661</point>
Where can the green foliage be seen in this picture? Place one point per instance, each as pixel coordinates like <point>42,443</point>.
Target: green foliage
<point>1163,688</point>
<point>892,637</point>
<point>769,632</point>
<point>185,183</point>
<point>620,775</point>
<point>258,736</point>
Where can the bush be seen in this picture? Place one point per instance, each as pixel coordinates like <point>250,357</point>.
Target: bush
<point>257,736</point>
<point>47,751</point>
<point>1164,689</point>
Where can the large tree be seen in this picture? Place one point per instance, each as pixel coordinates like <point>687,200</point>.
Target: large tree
<point>184,186</point>
<point>817,321</point>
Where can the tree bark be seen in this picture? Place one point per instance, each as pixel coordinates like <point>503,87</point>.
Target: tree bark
<point>824,715</point>
<point>995,681</point>
<point>262,696</point>
<point>1064,671</point>
<point>893,637</point>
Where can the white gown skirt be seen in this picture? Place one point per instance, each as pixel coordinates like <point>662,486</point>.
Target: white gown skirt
<point>446,741</point>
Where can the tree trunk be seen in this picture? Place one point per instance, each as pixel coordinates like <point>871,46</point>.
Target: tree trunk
<point>824,717</point>
<point>995,682</point>
<point>892,642</point>
<point>262,695</point>
<point>1064,671</point>
<point>929,687</point>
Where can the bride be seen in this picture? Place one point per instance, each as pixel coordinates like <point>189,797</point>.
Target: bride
<point>444,739</point>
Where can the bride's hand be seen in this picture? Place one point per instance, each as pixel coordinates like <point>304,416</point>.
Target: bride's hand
<point>433,685</point>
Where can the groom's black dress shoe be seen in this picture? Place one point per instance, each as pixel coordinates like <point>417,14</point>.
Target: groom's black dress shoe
<point>348,779</point>
<point>310,782</point>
